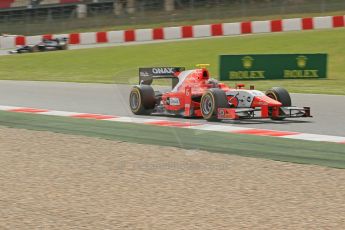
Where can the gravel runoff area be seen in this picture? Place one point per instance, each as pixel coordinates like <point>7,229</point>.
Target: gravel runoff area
<point>56,181</point>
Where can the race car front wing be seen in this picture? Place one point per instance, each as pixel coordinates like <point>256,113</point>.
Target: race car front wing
<point>263,112</point>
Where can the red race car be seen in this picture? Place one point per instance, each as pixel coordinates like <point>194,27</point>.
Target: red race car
<point>195,94</point>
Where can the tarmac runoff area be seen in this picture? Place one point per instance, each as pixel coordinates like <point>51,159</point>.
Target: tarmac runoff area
<point>4,52</point>
<point>77,47</point>
<point>112,99</point>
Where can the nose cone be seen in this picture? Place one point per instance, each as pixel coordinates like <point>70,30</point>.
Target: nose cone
<point>265,100</point>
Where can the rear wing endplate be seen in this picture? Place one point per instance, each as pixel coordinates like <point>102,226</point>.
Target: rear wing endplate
<point>147,75</point>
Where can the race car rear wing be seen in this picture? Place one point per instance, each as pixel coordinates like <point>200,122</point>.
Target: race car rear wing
<point>147,75</point>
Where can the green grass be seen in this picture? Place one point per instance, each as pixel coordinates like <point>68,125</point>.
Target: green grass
<point>297,151</point>
<point>120,64</point>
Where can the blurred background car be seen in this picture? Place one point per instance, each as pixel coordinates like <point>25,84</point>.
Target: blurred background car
<point>45,45</point>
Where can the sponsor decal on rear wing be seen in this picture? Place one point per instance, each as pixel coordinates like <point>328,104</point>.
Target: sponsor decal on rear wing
<point>147,75</point>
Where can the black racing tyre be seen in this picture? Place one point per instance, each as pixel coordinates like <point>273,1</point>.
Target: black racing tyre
<point>64,47</point>
<point>211,100</point>
<point>142,100</point>
<point>41,48</point>
<point>33,49</point>
<point>279,94</point>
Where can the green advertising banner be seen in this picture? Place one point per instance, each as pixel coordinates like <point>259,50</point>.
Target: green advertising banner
<point>272,66</point>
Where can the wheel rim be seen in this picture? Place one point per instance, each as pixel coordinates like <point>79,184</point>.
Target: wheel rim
<point>207,105</point>
<point>134,100</point>
<point>271,95</point>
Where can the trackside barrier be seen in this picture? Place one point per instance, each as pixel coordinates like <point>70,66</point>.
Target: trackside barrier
<point>182,32</point>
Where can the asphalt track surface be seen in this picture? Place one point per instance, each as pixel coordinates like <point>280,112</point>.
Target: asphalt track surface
<point>112,99</point>
<point>4,52</point>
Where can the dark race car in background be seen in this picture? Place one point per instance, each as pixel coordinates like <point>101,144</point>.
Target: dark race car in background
<point>45,45</point>
<point>195,94</point>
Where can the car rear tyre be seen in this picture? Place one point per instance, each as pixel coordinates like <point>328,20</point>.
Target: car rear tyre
<point>64,47</point>
<point>282,95</point>
<point>33,49</point>
<point>41,48</point>
<point>142,100</point>
<point>211,101</point>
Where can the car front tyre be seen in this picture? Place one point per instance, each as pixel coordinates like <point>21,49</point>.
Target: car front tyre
<point>282,95</point>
